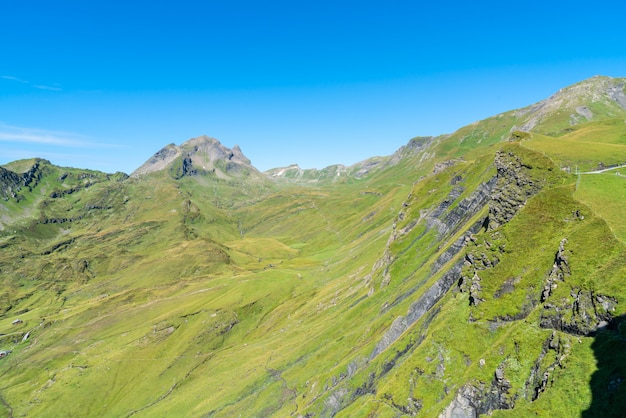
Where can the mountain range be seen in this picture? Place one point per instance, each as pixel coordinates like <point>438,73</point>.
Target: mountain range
<point>478,272</point>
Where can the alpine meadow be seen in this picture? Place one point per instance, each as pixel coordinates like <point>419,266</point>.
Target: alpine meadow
<point>479,272</point>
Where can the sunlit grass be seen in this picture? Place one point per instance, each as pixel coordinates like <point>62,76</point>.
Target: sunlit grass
<point>199,296</point>
<point>605,194</point>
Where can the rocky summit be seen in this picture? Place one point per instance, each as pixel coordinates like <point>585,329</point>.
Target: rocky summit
<point>201,154</point>
<point>480,272</point>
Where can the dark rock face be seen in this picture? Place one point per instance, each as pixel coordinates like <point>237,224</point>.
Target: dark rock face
<point>482,256</point>
<point>456,247</point>
<point>583,313</point>
<point>468,207</point>
<point>560,270</point>
<point>33,175</point>
<point>513,188</point>
<point>418,308</point>
<point>446,222</point>
<point>11,183</point>
<point>473,400</point>
<point>187,168</point>
<point>553,352</point>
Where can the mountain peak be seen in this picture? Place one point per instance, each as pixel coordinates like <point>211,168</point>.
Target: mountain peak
<point>199,154</point>
<point>593,98</point>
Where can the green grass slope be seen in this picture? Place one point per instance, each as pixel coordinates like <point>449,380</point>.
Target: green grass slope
<point>471,273</point>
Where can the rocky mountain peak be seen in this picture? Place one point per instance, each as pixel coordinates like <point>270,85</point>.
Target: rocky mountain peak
<point>200,154</point>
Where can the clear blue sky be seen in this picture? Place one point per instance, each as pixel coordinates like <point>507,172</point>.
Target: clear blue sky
<point>106,84</point>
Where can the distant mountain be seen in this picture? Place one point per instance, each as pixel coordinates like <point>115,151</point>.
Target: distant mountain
<point>294,173</point>
<point>339,172</point>
<point>596,98</point>
<point>199,155</point>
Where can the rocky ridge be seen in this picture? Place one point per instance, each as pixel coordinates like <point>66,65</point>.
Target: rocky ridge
<point>597,96</point>
<point>294,173</point>
<point>11,182</point>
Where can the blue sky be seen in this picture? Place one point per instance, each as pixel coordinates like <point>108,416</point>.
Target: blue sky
<point>105,85</point>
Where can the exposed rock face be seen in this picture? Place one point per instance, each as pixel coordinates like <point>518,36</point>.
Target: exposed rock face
<point>583,313</point>
<point>366,167</point>
<point>560,270</point>
<point>414,147</point>
<point>187,167</point>
<point>11,183</point>
<point>439,167</point>
<point>33,175</point>
<point>334,402</point>
<point>473,400</point>
<point>159,161</point>
<point>203,150</point>
<point>616,92</point>
<point>571,100</point>
<point>418,308</point>
<point>585,112</point>
<point>514,185</point>
<point>446,222</point>
<point>456,247</point>
<point>513,188</point>
<point>202,154</point>
<point>483,255</point>
<point>467,208</point>
<point>462,406</point>
<point>553,353</point>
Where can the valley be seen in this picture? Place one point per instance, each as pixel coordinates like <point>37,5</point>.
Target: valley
<point>471,273</point>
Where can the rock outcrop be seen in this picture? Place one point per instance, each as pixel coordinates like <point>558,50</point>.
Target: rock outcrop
<point>447,222</point>
<point>513,188</point>
<point>11,183</point>
<point>560,270</point>
<point>484,254</point>
<point>514,185</point>
<point>582,313</point>
<point>481,398</point>
<point>553,353</point>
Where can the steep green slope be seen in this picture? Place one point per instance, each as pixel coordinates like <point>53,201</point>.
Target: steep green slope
<point>467,274</point>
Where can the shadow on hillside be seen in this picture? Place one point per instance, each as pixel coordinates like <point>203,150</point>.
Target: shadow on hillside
<point>608,383</point>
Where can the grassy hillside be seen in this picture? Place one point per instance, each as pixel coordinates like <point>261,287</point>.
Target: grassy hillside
<point>469,273</point>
